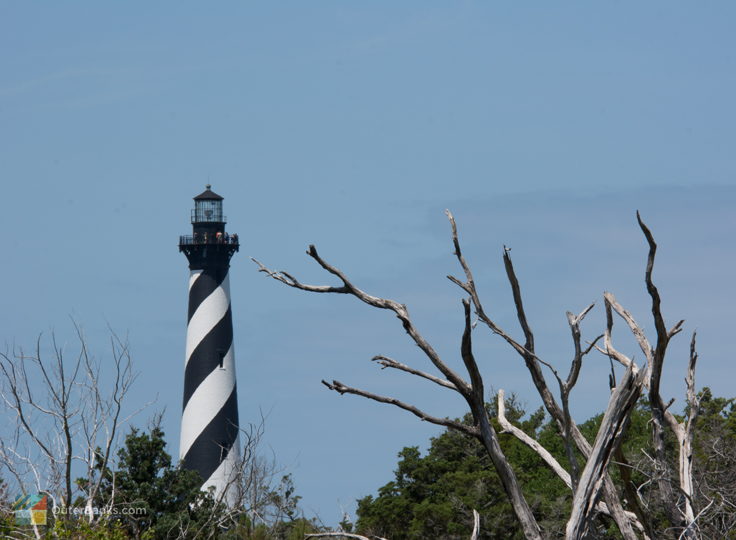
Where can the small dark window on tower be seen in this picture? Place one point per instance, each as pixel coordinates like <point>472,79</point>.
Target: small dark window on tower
<point>221,355</point>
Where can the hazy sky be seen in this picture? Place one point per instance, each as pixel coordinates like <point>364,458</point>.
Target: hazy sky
<point>353,125</point>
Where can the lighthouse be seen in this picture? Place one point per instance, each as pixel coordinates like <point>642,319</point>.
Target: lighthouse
<point>209,425</point>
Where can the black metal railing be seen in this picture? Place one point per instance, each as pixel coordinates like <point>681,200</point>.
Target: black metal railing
<point>208,239</point>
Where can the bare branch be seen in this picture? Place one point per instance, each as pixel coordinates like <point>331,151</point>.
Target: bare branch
<point>577,361</point>
<point>387,362</point>
<point>641,338</point>
<point>692,397</point>
<point>516,291</point>
<point>662,334</point>
<point>609,350</point>
<point>291,281</point>
<point>466,350</point>
<point>339,387</point>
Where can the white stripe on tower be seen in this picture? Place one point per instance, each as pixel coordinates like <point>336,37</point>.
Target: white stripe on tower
<point>207,313</point>
<point>210,395</point>
<point>209,428</point>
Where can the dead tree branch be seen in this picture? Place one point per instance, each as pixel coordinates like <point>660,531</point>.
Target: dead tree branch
<point>340,388</point>
<point>387,362</point>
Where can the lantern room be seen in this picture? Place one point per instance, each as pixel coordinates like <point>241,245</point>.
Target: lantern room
<point>208,207</point>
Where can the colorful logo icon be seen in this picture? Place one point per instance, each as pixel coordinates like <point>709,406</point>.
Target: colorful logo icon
<point>30,509</point>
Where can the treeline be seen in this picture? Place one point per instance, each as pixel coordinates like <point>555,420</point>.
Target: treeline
<point>432,496</point>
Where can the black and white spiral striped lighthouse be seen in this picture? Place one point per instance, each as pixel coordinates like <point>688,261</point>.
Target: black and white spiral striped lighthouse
<point>209,424</point>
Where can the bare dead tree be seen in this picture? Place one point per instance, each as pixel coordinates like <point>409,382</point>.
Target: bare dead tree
<point>592,488</point>
<point>67,414</point>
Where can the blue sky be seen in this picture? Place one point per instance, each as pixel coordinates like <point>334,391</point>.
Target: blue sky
<point>353,125</point>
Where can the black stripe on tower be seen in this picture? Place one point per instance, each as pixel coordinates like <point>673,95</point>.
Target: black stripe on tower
<point>208,355</point>
<point>205,285</point>
<point>211,447</point>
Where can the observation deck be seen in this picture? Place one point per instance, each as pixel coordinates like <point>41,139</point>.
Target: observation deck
<point>205,238</point>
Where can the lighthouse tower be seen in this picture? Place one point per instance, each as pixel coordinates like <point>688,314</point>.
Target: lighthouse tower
<point>209,424</point>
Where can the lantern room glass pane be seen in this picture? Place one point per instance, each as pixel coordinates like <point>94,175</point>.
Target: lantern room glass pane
<point>207,210</point>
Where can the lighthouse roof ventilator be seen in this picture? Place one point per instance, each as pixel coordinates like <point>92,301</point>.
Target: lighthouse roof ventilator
<point>209,441</point>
